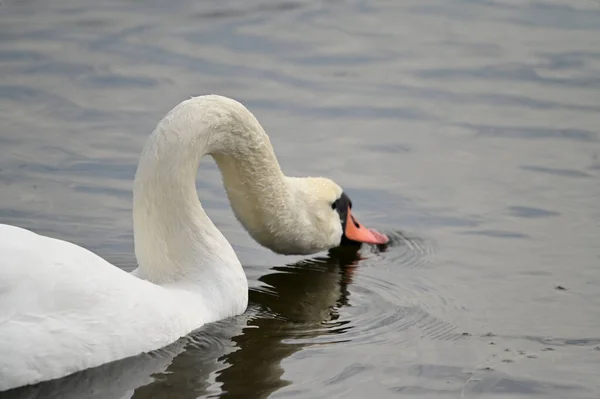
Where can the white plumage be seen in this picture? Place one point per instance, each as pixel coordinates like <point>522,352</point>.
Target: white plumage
<point>65,309</point>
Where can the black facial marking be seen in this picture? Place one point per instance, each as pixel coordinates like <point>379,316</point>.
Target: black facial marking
<point>341,206</point>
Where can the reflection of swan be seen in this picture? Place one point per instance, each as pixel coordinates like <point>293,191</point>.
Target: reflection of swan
<point>64,309</point>
<point>297,301</point>
<point>113,380</point>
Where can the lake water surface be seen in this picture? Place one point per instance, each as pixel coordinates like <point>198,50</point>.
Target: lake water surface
<point>468,130</point>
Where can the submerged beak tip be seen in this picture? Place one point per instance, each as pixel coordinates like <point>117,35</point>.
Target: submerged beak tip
<point>380,238</point>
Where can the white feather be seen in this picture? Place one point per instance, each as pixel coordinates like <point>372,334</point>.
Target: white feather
<point>65,309</point>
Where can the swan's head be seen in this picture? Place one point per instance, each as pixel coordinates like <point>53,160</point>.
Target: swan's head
<point>322,219</point>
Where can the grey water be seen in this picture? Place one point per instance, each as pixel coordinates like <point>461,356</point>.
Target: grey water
<point>468,130</point>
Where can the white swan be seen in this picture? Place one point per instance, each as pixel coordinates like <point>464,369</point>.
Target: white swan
<point>65,309</point>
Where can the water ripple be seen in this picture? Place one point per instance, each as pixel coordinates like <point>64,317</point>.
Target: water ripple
<point>406,251</point>
<point>341,298</point>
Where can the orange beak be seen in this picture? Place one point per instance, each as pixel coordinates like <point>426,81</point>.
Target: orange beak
<point>359,233</point>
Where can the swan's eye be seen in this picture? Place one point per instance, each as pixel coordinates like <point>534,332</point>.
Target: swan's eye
<point>335,204</point>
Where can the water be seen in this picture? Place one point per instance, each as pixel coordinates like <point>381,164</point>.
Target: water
<point>466,129</point>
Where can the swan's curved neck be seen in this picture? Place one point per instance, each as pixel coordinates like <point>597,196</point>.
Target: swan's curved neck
<point>174,238</point>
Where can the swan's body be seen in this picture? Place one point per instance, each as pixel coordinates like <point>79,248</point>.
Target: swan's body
<point>64,309</point>
<point>77,311</point>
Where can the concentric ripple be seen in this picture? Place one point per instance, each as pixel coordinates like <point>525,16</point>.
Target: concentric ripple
<point>405,250</point>
<point>383,312</point>
<point>351,297</point>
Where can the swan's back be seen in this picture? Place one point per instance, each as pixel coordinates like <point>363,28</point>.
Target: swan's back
<point>64,309</point>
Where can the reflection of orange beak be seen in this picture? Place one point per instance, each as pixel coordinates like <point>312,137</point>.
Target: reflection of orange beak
<point>357,232</point>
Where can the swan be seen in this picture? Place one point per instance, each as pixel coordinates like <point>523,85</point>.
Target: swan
<point>64,309</point>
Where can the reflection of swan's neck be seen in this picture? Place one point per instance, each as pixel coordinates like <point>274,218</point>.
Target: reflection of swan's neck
<point>174,238</point>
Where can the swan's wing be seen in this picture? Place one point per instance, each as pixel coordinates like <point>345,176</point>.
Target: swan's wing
<point>41,276</point>
<point>63,309</point>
